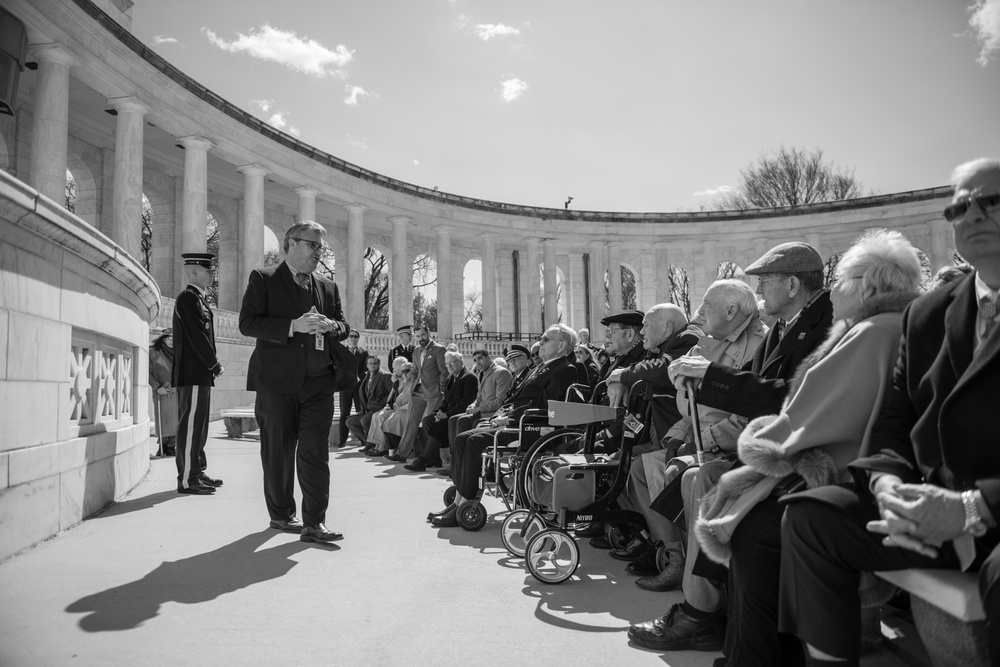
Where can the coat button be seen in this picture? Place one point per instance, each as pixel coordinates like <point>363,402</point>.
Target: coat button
<point>301,345</point>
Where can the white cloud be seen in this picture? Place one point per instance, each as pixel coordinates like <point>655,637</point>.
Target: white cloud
<point>985,23</point>
<point>360,142</point>
<point>513,89</point>
<point>487,31</point>
<point>286,48</point>
<point>278,119</point>
<point>711,192</point>
<point>354,92</point>
<point>263,105</point>
<point>161,39</point>
<point>463,20</point>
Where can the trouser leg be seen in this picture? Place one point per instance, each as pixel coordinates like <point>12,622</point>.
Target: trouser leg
<point>346,399</point>
<point>417,408</point>
<point>278,417</point>
<point>313,457</point>
<point>703,594</point>
<point>465,468</point>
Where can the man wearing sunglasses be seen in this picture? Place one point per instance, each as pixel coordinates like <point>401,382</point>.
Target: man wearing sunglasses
<point>933,464</point>
<point>296,366</point>
<point>352,397</point>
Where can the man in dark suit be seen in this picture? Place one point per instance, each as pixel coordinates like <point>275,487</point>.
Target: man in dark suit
<point>929,483</point>
<point>550,380</point>
<point>375,392</point>
<point>352,397</point>
<point>195,368</point>
<point>458,394</point>
<point>295,369</point>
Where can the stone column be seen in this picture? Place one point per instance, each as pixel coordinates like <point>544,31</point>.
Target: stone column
<point>446,323</point>
<point>661,263</point>
<point>126,228</point>
<point>353,277</point>
<point>194,219</point>
<point>532,291</point>
<point>307,204</point>
<point>251,250</point>
<point>50,130</point>
<point>939,244</point>
<point>549,274</point>
<point>489,276</point>
<point>816,241</point>
<point>614,278</point>
<point>401,287</point>
<point>598,263</point>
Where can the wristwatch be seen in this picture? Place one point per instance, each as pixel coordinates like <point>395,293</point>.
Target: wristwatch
<point>973,522</point>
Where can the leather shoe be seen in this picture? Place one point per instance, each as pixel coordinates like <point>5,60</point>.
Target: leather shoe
<point>600,542</point>
<point>433,515</point>
<point>396,458</point>
<point>645,565</point>
<point>634,550</point>
<point>197,489</point>
<point>292,525</point>
<point>418,465</point>
<point>670,578</point>
<point>436,463</point>
<point>447,519</point>
<point>208,481</point>
<point>678,631</point>
<point>319,533</point>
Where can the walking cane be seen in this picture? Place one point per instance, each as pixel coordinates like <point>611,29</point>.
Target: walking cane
<point>691,385</point>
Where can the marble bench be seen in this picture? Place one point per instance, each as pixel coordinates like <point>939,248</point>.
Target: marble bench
<point>238,421</point>
<point>948,614</point>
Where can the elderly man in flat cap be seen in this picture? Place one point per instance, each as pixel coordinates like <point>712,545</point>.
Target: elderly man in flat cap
<point>790,278</point>
<point>624,341</point>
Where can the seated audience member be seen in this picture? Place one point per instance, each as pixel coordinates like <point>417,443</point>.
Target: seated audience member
<point>622,338</point>
<point>519,365</point>
<point>395,424</point>
<point>460,390</point>
<point>733,334</point>
<point>494,386</point>
<point>927,485</point>
<point>501,362</point>
<point>376,438</point>
<point>832,403</point>
<point>550,380</point>
<point>536,360</point>
<point>585,356</point>
<point>790,278</point>
<point>375,392</point>
<point>584,337</point>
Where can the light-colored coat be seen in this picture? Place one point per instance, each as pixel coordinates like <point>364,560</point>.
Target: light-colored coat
<point>433,372</point>
<point>493,388</point>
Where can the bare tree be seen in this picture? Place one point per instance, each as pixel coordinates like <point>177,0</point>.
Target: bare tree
<point>473,303</point>
<point>830,269</point>
<point>726,270</point>
<point>270,257</point>
<point>790,177</point>
<point>376,290</point>
<point>327,266</point>
<point>70,192</point>
<point>628,290</point>
<point>146,241</point>
<point>212,236</point>
<point>424,311</point>
<point>680,289</point>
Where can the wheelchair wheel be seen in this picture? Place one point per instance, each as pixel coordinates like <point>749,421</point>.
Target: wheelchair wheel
<point>449,495</point>
<point>552,556</point>
<point>662,558</point>
<point>472,516</point>
<point>561,441</point>
<point>510,531</point>
<point>617,537</point>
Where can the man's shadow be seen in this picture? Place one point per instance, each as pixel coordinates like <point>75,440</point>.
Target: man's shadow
<point>191,580</point>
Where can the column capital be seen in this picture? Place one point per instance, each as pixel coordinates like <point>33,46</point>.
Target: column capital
<point>444,230</point>
<point>195,142</point>
<point>130,104</point>
<point>351,207</point>
<point>51,52</point>
<point>662,245</point>
<point>252,170</point>
<point>399,220</point>
<point>596,244</point>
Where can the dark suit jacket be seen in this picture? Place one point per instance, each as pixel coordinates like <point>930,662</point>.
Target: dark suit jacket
<point>761,389</point>
<point>362,361</point>
<point>379,395</point>
<point>548,381</point>
<point>194,340</point>
<point>272,301</point>
<point>938,420</point>
<point>460,393</point>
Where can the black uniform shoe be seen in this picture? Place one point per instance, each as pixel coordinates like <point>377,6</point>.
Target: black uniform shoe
<point>645,566</point>
<point>196,490</point>
<point>319,533</point>
<point>418,465</point>
<point>634,550</point>
<point>448,519</point>
<point>678,631</point>
<point>208,481</point>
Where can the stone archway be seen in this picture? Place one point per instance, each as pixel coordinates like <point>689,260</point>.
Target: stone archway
<point>227,258</point>
<point>376,287</point>
<point>84,204</point>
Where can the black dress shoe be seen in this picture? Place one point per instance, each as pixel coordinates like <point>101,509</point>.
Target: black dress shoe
<point>448,519</point>
<point>432,515</point>
<point>208,481</point>
<point>436,463</point>
<point>292,525</point>
<point>196,490</point>
<point>644,566</point>
<point>678,631</point>
<point>631,551</point>
<point>600,542</point>
<point>319,533</point>
<point>418,465</point>
<point>396,458</point>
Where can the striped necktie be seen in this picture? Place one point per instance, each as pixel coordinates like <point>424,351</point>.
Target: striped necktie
<point>303,280</point>
<point>988,313</point>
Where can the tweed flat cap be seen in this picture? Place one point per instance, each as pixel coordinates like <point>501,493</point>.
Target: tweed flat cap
<point>794,257</point>
<point>629,318</point>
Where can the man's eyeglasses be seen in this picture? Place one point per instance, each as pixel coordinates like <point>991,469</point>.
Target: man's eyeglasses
<point>312,244</point>
<point>352,336</point>
<point>959,209</point>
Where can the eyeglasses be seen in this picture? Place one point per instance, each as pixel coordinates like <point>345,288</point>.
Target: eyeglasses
<point>844,279</point>
<point>312,244</point>
<point>959,209</point>
<point>352,336</point>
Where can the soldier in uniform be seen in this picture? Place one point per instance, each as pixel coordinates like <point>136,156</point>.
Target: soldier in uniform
<point>195,368</point>
<point>405,347</point>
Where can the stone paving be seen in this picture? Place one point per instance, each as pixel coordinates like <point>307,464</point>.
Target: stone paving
<point>160,578</point>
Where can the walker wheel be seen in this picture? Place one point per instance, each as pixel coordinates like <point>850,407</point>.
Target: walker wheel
<point>515,534</point>
<point>552,556</point>
<point>616,536</point>
<point>449,495</point>
<point>472,516</point>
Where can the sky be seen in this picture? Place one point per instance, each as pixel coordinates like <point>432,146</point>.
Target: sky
<point>631,105</point>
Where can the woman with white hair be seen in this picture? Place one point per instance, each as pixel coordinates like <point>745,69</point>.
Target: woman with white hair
<point>376,437</point>
<point>827,417</point>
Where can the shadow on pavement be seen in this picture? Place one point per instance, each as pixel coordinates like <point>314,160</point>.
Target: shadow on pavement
<point>136,504</point>
<point>191,580</point>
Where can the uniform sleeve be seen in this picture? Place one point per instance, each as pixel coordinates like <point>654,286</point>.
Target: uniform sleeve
<point>196,333</point>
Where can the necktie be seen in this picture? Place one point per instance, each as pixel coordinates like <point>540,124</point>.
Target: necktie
<point>303,280</point>
<point>988,313</point>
